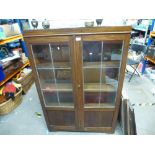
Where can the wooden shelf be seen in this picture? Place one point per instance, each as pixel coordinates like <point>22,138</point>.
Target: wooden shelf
<point>101,105</point>
<point>95,87</point>
<point>11,39</point>
<point>89,87</point>
<point>57,65</point>
<point>150,59</point>
<point>60,87</point>
<point>105,64</point>
<point>62,105</point>
<point>13,73</point>
<point>88,106</point>
<point>66,65</point>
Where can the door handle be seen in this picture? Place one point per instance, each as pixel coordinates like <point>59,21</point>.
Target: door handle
<point>79,85</point>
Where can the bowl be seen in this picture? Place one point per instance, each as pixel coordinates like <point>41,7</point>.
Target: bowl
<point>89,24</point>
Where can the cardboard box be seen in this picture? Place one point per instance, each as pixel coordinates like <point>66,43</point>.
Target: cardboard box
<point>9,30</point>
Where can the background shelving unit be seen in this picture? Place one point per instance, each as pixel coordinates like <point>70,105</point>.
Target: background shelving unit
<point>5,42</point>
<point>11,39</point>
<point>11,75</point>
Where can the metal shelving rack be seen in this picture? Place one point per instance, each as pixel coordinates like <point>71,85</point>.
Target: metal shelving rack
<point>22,43</point>
<point>11,39</point>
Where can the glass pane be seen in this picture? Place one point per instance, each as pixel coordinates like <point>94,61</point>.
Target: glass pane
<point>48,86</point>
<point>111,76</point>
<point>63,76</point>
<point>51,97</point>
<point>60,55</point>
<point>92,52</point>
<point>101,64</point>
<point>112,51</point>
<point>42,55</point>
<point>46,77</point>
<point>53,66</point>
<point>91,75</point>
<point>66,98</point>
<point>92,98</point>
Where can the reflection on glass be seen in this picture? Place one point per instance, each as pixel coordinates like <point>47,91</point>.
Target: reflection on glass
<point>51,98</point>
<point>101,64</point>
<point>91,51</point>
<point>112,50</point>
<point>66,98</point>
<point>92,97</point>
<point>53,66</point>
<point>42,55</point>
<point>60,55</point>
<point>92,75</point>
<point>46,77</point>
<point>111,75</point>
<point>62,76</point>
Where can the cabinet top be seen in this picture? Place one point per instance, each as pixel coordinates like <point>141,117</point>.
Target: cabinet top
<point>78,31</point>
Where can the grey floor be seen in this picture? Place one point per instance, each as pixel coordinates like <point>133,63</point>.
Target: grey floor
<point>24,121</point>
<point>140,92</point>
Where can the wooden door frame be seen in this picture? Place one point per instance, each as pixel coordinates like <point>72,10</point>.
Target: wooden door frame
<point>102,37</point>
<point>47,40</point>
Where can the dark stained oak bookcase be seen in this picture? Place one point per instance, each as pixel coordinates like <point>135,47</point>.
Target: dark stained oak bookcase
<point>79,75</point>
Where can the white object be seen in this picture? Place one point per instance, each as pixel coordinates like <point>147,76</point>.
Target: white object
<point>115,57</point>
<point>10,58</point>
<point>152,76</point>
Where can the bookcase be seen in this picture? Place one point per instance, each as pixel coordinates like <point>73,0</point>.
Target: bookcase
<point>79,75</point>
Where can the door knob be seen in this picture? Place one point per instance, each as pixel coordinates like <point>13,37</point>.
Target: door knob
<point>79,85</point>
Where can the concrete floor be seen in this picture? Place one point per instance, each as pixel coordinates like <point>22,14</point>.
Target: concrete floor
<point>140,92</point>
<point>24,121</point>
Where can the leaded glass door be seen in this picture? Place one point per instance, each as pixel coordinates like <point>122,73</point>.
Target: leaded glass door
<point>101,63</point>
<point>53,65</point>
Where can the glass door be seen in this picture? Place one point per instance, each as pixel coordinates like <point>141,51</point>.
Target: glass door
<point>101,65</point>
<point>53,66</point>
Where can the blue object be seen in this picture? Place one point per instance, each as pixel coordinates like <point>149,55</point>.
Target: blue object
<point>24,48</point>
<point>22,42</point>
<point>151,29</point>
<point>2,76</point>
<point>144,62</point>
<point>14,44</point>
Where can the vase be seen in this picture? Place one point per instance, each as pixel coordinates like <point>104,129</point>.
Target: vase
<point>34,23</point>
<point>99,22</point>
<point>46,24</point>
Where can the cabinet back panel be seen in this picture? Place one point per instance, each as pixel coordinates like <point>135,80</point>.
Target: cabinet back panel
<point>61,118</point>
<point>98,119</point>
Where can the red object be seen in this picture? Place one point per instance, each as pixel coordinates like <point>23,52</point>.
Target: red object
<point>9,88</point>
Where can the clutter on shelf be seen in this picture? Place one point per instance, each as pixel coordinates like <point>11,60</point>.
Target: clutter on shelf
<point>10,97</point>
<point>8,30</point>
<point>23,73</point>
<point>9,90</point>
<point>11,65</point>
<point>24,58</point>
